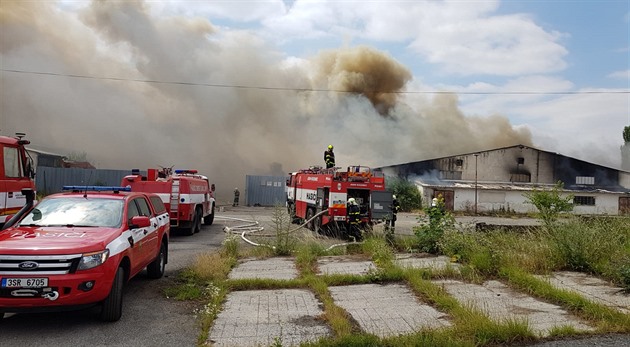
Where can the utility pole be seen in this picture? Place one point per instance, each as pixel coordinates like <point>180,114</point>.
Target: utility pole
<point>476,156</point>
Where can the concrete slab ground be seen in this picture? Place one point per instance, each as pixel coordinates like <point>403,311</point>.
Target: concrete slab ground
<point>292,316</point>
<point>423,262</point>
<point>264,317</point>
<point>501,303</point>
<point>272,268</point>
<point>344,265</point>
<point>592,288</point>
<point>387,310</point>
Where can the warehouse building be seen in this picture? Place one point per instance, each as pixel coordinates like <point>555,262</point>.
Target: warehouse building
<point>496,180</point>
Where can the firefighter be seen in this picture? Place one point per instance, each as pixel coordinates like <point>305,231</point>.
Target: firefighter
<point>354,217</point>
<point>395,209</point>
<point>236,196</point>
<point>329,157</point>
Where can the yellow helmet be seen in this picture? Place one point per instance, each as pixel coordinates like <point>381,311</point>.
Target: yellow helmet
<point>330,146</point>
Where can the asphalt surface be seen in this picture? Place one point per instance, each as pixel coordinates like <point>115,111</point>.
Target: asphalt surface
<point>149,318</point>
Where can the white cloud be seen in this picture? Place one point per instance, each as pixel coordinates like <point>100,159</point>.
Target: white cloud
<point>620,75</point>
<point>235,10</point>
<point>464,38</point>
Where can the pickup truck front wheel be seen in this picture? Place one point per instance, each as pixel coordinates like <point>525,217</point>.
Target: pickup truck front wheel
<point>156,268</point>
<point>112,306</point>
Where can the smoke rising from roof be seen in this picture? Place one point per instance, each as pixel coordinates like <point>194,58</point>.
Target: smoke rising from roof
<point>209,121</point>
<point>363,71</point>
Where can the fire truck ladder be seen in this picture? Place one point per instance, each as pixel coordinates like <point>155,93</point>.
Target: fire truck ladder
<point>175,201</point>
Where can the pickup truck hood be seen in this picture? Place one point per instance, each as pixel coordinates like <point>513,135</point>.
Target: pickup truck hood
<point>55,240</point>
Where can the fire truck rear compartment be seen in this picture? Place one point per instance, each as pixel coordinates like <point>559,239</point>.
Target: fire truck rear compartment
<point>362,197</point>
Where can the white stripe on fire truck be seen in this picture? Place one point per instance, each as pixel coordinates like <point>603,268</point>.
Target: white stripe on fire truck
<point>188,198</point>
<point>302,194</point>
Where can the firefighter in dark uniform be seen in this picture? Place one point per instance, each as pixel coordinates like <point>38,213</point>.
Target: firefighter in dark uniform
<point>329,157</point>
<point>391,221</point>
<point>395,209</point>
<point>237,194</point>
<point>354,218</point>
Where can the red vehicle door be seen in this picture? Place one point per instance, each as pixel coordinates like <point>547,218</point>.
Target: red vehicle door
<point>144,239</point>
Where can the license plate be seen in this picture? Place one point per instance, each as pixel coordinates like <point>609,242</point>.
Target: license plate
<point>24,282</point>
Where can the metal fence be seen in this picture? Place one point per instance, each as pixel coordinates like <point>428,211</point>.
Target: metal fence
<point>50,180</point>
<point>266,190</point>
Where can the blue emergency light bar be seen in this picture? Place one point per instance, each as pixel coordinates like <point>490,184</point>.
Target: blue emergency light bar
<point>185,172</point>
<point>97,188</point>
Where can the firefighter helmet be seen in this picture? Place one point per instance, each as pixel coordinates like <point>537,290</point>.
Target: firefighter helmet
<point>351,201</point>
<point>330,146</point>
<point>394,197</point>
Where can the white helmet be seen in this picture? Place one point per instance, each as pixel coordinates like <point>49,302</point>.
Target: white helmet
<point>394,197</point>
<point>351,201</point>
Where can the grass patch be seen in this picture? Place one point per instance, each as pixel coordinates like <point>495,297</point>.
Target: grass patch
<point>608,319</point>
<point>599,246</point>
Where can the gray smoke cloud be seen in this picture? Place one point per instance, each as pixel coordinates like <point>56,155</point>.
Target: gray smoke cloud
<point>237,106</point>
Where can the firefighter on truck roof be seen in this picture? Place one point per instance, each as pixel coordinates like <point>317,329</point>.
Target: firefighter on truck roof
<point>329,157</point>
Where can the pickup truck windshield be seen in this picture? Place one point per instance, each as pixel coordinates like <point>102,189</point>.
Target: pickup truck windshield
<point>76,212</point>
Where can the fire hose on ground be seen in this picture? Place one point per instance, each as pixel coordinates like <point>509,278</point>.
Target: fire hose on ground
<point>254,226</point>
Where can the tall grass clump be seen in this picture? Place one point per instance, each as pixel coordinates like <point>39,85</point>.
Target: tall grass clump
<point>599,245</point>
<point>230,247</point>
<point>430,233</point>
<point>377,248</point>
<point>285,240</point>
<point>488,252</point>
<point>306,257</point>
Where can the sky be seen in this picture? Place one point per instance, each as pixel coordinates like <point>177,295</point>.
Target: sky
<point>233,88</point>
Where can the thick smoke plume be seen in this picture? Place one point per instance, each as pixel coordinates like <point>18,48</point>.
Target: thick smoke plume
<point>235,106</point>
<point>363,71</point>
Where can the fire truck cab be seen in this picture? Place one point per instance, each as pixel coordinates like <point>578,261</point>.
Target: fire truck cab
<point>187,195</point>
<point>16,175</point>
<point>314,190</point>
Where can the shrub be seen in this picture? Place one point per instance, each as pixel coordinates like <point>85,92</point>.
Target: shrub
<point>430,233</point>
<point>406,193</point>
<point>550,203</point>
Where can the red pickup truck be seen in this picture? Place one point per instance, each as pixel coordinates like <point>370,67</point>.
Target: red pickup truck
<point>79,248</point>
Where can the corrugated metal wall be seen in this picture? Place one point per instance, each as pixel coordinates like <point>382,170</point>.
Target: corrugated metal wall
<point>266,190</point>
<point>49,180</point>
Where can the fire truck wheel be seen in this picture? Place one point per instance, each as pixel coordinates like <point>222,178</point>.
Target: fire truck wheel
<point>112,306</point>
<point>156,268</point>
<point>309,214</point>
<point>209,219</point>
<point>197,221</point>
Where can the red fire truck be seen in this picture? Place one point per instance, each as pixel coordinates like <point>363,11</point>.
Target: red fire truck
<point>16,174</point>
<point>311,191</point>
<point>187,195</point>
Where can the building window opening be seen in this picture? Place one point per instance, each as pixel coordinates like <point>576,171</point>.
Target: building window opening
<point>520,177</point>
<point>589,180</point>
<point>584,200</point>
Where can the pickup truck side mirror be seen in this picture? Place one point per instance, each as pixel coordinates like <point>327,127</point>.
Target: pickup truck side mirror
<point>139,222</point>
